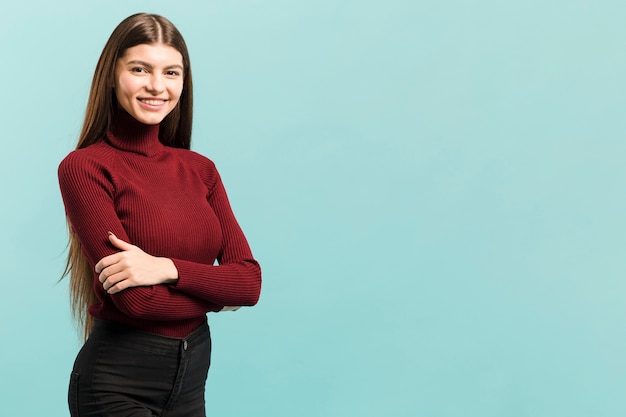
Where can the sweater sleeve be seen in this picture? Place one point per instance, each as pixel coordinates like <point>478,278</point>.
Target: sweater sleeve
<point>87,188</point>
<point>236,280</point>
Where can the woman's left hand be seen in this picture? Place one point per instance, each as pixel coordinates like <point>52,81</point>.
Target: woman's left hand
<point>132,267</point>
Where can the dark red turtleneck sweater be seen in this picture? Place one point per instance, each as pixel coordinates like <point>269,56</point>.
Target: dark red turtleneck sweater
<point>171,203</point>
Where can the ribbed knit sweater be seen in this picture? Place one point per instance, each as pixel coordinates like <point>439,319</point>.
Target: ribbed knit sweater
<point>171,203</point>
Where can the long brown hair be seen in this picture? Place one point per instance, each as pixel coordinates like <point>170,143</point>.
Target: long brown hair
<point>102,106</point>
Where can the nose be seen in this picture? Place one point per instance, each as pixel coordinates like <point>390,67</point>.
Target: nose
<point>156,83</point>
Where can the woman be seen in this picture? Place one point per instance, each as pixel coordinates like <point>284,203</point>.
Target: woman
<point>148,219</point>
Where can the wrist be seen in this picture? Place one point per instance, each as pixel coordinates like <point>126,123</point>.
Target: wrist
<point>170,271</point>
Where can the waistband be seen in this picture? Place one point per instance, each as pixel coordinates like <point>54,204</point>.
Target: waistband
<point>117,333</point>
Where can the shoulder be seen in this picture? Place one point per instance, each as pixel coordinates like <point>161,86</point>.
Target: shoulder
<point>195,160</point>
<point>91,158</point>
<point>199,163</point>
<point>193,157</point>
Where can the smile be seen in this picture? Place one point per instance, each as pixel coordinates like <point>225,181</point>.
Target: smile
<point>152,102</point>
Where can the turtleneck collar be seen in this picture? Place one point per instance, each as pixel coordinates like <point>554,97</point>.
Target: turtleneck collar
<point>130,135</point>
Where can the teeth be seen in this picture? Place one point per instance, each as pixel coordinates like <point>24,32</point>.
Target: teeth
<point>152,102</point>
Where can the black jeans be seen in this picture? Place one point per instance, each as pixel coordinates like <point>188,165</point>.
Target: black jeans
<point>125,372</point>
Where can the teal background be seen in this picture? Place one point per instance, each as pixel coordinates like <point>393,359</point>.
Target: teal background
<point>435,191</point>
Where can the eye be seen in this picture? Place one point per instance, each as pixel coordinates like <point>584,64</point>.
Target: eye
<point>138,70</point>
<point>172,73</point>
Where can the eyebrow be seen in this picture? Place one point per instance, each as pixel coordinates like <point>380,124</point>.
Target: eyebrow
<point>147,65</point>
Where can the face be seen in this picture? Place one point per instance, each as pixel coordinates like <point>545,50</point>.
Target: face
<point>149,81</point>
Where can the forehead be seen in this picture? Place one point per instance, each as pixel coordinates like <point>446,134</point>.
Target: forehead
<point>155,54</point>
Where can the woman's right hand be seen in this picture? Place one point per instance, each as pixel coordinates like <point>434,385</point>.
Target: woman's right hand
<point>132,267</point>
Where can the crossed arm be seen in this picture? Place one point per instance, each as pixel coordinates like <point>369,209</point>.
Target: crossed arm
<point>132,267</point>
<point>146,286</point>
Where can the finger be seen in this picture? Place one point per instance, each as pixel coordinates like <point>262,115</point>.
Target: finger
<point>106,262</point>
<point>120,286</point>
<point>112,280</point>
<point>119,243</point>
<point>102,263</point>
<point>109,271</point>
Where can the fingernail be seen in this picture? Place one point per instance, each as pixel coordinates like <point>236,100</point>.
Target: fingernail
<point>110,233</point>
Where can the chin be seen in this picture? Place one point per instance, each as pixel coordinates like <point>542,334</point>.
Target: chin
<point>150,119</point>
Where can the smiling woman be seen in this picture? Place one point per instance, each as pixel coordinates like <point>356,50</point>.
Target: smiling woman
<point>149,81</point>
<point>148,219</point>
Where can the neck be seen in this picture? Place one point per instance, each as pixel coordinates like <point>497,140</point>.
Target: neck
<point>128,134</point>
